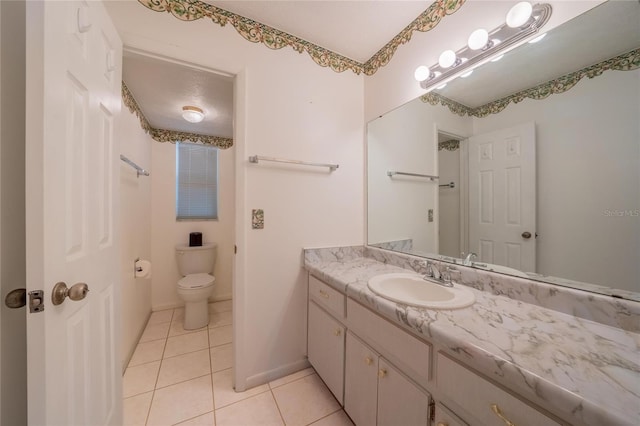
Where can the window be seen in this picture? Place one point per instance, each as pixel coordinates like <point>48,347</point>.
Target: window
<point>196,182</point>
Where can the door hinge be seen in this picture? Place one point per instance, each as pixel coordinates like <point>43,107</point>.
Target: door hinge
<point>36,301</point>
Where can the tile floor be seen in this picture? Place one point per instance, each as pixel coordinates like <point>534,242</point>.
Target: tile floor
<point>184,377</point>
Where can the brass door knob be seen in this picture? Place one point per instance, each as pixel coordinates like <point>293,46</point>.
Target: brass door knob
<point>76,292</point>
<point>382,373</point>
<point>526,235</point>
<point>16,298</point>
<point>368,360</point>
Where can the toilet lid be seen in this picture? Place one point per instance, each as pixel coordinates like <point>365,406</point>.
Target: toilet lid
<point>196,281</point>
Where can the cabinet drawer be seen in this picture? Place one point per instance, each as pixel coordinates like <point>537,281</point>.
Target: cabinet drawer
<point>482,399</point>
<point>411,355</point>
<point>327,297</point>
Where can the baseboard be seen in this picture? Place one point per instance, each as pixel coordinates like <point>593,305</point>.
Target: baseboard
<point>176,305</point>
<point>127,359</point>
<point>276,373</point>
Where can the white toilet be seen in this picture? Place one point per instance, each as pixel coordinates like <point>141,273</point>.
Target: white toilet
<point>196,264</point>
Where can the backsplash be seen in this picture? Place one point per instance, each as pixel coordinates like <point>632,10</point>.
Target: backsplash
<point>611,311</point>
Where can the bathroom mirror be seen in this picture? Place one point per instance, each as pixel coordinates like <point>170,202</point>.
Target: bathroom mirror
<point>546,189</point>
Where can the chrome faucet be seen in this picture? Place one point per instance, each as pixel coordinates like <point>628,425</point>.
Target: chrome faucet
<point>433,274</point>
<point>468,261</point>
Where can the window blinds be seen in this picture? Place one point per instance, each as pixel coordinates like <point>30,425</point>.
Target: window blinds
<point>196,181</point>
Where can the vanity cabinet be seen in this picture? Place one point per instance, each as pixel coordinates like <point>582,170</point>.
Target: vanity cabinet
<point>325,348</point>
<point>377,393</point>
<point>444,417</point>
<point>383,375</point>
<point>482,401</point>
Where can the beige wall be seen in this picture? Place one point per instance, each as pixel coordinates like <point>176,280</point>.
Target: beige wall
<point>449,203</point>
<point>286,106</point>
<point>135,228</point>
<point>13,364</point>
<point>167,232</point>
<point>405,139</point>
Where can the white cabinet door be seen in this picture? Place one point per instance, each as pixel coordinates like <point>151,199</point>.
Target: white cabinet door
<point>73,74</point>
<point>326,349</point>
<point>360,382</point>
<point>400,402</point>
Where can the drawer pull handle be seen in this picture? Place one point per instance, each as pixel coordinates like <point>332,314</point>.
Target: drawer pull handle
<point>442,424</point>
<point>337,332</point>
<point>368,360</point>
<point>323,294</point>
<point>382,373</point>
<point>498,412</point>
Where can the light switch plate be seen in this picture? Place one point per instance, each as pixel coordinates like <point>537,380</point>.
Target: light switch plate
<point>257,219</point>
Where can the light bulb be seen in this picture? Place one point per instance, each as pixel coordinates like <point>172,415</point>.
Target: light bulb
<point>478,39</point>
<point>519,14</point>
<point>422,73</point>
<point>447,58</point>
<point>467,74</point>
<point>537,39</point>
<point>192,114</point>
<point>497,58</point>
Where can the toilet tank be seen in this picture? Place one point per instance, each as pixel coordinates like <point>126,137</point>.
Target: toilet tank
<point>196,260</point>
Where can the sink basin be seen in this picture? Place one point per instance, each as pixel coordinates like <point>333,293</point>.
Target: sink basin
<point>413,289</point>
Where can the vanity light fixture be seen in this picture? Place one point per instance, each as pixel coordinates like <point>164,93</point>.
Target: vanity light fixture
<point>537,39</point>
<point>192,114</point>
<point>522,22</point>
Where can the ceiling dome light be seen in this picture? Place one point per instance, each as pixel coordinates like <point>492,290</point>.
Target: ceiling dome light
<point>519,14</point>
<point>537,39</point>
<point>192,114</point>
<point>466,74</point>
<point>478,39</point>
<point>422,73</point>
<point>497,58</point>
<point>447,58</point>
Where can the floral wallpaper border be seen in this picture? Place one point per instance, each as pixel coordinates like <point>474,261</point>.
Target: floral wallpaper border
<point>191,10</point>
<point>426,21</point>
<point>450,145</point>
<point>162,135</point>
<point>625,62</point>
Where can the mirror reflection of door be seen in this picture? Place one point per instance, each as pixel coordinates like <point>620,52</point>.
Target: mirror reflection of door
<point>502,197</point>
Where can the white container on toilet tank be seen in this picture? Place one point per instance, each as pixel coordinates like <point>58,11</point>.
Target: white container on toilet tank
<point>196,265</point>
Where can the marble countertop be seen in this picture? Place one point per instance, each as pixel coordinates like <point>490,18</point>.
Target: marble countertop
<point>589,372</point>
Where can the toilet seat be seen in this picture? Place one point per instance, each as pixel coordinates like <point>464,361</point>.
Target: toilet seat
<point>194,281</point>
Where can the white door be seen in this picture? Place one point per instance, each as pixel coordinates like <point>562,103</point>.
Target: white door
<point>73,95</point>
<point>502,197</point>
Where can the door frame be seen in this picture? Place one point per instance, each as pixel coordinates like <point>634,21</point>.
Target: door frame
<point>463,184</point>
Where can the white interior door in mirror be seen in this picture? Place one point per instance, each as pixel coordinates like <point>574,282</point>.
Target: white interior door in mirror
<point>502,197</point>
<point>73,95</point>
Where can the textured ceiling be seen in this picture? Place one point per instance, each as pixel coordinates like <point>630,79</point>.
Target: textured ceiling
<point>161,88</point>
